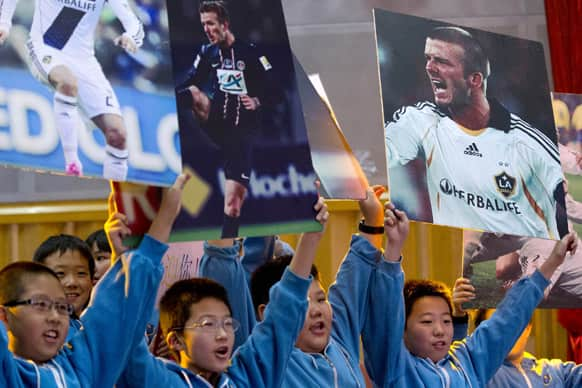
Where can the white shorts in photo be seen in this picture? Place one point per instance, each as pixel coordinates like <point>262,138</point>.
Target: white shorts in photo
<point>95,94</point>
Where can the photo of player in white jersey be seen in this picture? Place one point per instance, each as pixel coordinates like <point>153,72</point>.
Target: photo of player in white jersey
<point>486,165</point>
<point>61,50</point>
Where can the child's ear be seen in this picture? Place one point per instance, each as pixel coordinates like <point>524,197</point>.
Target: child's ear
<point>175,342</point>
<point>261,311</point>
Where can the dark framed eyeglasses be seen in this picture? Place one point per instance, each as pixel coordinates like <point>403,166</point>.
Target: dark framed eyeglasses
<point>43,305</point>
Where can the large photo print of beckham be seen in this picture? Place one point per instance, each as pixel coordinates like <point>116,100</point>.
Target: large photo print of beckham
<point>242,130</point>
<point>469,131</point>
<point>86,89</point>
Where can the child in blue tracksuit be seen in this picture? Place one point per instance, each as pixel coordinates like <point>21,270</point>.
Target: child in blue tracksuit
<point>35,314</point>
<point>113,322</point>
<point>327,351</point>
<point>204,336</point>
<point>519,368</point>
<point>417,335</point>
<point>221,262</point>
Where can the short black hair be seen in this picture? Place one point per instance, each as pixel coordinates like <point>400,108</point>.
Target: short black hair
<point>418,288</point>
<point>267,275</point>
<point>176,302</point>
<point>216,6</point>
<point>62,243</point>
<point>475,59</point>
<point>99,238</point>
<point>15,276</point>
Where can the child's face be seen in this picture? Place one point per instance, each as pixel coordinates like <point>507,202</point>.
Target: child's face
<point>314,336</point>
<point>102,261</point>
<point>34,334</point>
<point>429,330</point>
<point>207,350</point>
<point>73,271</point>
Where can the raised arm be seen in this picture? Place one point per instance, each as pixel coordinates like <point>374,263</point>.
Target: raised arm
<point>256,252</point>
<point>490,343</point>
<point>349,295</point>
<point>308,242</point>
<point>383,332</point>
<point>7,8</point>
<point>132,37</point>
<point>221,262</point>
<point>262,360</point>
<point>122,302</point>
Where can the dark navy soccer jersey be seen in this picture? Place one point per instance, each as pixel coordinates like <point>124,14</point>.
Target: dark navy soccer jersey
<point>224,74</point>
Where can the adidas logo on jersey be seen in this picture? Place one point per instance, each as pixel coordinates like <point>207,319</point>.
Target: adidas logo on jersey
<point>473,150</point>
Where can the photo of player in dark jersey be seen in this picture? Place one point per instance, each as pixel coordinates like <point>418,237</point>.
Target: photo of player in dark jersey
<point>241,124</point>
<point>224,90</point>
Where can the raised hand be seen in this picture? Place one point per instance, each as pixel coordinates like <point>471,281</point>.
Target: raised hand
<point>373,213</point>
<point>116,229</point>
<point>126,42</point>
<point>169,209</point>
<point>568,243</point>
<point>463,292</point>
<point>250,103</point>
<point>308,242</point>
<point>396,226</point>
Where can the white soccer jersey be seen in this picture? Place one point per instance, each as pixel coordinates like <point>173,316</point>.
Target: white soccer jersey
<point>69,25</point>
<point>501,178</point>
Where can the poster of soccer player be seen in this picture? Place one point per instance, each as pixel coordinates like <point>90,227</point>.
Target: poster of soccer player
<point>241,125</point>
<point>86,89</point>
<point>469,131</point>
<point>494,262</point>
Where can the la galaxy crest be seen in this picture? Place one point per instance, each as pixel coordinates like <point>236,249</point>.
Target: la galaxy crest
<point>505,184</point>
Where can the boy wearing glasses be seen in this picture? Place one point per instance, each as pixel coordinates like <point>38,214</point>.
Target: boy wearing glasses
<point>35,314</point>
<point>195,318</point>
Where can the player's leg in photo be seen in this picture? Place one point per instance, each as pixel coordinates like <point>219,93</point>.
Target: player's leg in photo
<point>116,154</point>
<point>99,102</point>
<point>52,69</point>
<point>200,104</point>
<point>237,150</point>
<point>234,196</point>
<point>508,269</point>
<point>66,115</point>
<point>486,246</point>
<point>196,100</point>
